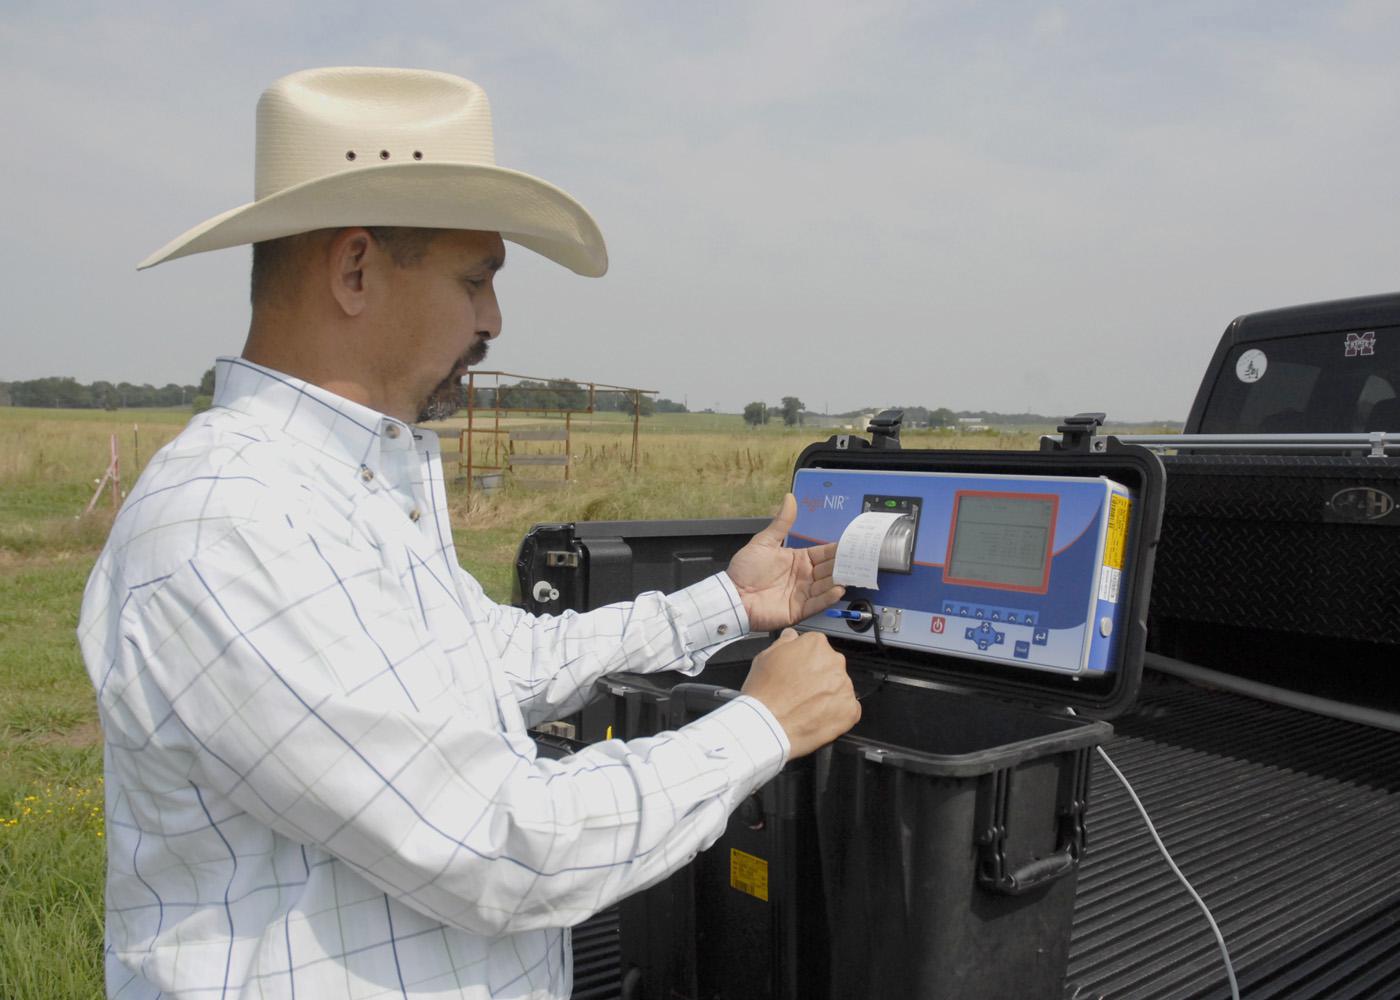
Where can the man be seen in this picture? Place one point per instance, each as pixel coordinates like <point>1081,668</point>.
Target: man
<point>319,779</point>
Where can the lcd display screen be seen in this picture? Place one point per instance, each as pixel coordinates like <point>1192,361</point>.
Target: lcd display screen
<point>1002,540</point>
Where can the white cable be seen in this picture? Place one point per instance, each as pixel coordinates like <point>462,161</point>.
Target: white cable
<point>1214,927</point>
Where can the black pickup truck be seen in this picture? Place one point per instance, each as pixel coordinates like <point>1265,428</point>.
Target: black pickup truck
<point>1265,741</point>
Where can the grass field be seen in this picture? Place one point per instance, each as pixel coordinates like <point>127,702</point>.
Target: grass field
<point>51,850</point>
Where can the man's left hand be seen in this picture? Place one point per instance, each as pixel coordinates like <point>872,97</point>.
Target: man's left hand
<point>781,586</point>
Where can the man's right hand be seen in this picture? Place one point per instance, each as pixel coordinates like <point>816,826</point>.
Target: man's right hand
<point>803,682</point>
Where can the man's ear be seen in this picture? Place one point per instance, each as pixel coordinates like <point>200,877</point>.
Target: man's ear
<point>348,255</point>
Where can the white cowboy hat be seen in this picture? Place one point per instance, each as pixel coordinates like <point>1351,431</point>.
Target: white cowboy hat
<point>352,146</point>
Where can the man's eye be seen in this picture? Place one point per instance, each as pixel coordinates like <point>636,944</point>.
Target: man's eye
<point>474,283</point>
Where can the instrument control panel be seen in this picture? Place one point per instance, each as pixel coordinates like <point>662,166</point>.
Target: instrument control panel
<point>1024,571</point>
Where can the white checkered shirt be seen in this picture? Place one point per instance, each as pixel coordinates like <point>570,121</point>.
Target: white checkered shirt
<point>319,781</point>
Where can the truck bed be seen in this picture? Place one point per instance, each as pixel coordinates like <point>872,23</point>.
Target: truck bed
<point>1287,824</point>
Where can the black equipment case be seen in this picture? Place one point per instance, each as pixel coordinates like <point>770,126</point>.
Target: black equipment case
<point>930,852</point>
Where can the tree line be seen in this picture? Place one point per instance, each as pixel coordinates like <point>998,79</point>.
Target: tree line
<point>563,394</point>
<point>69,393</point>
<point>793,412</point>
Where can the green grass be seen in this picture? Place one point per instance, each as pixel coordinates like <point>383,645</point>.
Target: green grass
<point>51,852</point>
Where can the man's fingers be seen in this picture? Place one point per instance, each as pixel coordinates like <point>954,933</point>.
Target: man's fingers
<point>787,635</point>
<point>823,559</point>
<point>777,531</point>
<point>822,601</point>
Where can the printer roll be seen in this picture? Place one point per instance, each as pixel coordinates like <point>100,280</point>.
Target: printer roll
<point>874,541</point>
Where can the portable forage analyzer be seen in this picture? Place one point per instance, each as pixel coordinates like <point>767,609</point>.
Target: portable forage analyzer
<point>1019,570</point>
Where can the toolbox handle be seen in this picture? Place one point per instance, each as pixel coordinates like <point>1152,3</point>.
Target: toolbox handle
<point>693,699</point>
<point>1036,873</point>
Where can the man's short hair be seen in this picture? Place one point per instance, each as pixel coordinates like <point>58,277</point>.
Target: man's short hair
<point>275,262</point>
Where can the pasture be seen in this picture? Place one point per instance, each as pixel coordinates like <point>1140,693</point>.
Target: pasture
<point>51,849</point>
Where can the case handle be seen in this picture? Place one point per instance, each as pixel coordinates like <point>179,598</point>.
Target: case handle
<point>995,798</point>
<point>1036,873</point>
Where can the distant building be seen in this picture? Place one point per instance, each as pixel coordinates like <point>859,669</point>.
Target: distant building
<point>823,420</point>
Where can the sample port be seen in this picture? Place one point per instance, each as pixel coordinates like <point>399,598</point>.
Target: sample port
<point>866,611</point>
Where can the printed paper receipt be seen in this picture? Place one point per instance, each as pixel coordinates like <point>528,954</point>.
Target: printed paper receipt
<point>858,551</point>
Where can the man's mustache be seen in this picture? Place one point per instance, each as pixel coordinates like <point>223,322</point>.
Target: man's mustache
<point>475,354</point>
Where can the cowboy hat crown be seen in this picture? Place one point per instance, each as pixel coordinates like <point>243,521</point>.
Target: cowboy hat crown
<point>354,146</point>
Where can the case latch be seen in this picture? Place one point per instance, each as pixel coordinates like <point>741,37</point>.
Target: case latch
<point>884,429</point>
<point>1078,433</point>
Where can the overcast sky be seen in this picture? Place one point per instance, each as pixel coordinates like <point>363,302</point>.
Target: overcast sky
<point>1010,206</point>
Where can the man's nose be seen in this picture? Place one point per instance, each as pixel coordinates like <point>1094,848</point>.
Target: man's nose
<point>488,314</point>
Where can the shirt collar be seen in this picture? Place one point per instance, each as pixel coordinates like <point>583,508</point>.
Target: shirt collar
<point>341,430</point>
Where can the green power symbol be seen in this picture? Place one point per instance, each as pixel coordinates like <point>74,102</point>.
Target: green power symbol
<point>891,503</point>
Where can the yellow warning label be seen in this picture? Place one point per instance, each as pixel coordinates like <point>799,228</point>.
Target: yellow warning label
<point>748,874</point>
<point>1116,542</point>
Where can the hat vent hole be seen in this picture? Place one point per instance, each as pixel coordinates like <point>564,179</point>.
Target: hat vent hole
<point>349,154</point>
<point>383,154</point>
<point>417,154</point>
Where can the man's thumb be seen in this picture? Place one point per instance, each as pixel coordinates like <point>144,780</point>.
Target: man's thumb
<point>777,530</point>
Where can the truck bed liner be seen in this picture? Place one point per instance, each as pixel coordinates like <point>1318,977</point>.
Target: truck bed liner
<point>1286,823</point>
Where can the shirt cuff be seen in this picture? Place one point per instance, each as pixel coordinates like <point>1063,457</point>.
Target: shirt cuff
<point>747,738</point>
<point>713,612</point>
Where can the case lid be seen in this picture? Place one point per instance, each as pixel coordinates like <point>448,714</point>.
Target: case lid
<point>1080,452</point>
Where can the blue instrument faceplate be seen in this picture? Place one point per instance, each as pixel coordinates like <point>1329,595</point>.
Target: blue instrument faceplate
<point>1024,571</point>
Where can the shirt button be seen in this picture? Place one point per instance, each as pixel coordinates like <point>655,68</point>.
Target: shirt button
<point>414,515</point>
<point>392,431</point>
<point>723,630</point>
<point>366,473</point>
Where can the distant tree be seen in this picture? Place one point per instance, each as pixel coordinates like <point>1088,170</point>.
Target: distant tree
<point>664,405</point>
<point>206,384</point>
<point>942,417</point>
<point>201,403</point>
<point>567,395</point>
<point>756,414</point>
<point>792,410</point>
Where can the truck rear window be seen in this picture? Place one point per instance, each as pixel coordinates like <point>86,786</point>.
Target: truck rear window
<point>1343,382</point>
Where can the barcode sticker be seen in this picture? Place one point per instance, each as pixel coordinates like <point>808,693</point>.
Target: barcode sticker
<point>1109,580</point>
<point>748,874</point>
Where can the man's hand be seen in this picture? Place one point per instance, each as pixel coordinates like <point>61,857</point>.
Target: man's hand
<point>803,682</point>
<point>781,586</point>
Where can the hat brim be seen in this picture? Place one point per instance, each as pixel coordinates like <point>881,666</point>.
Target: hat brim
<point>523,209</point>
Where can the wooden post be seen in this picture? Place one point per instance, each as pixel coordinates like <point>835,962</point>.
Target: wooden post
<point>471,404</point>
<point>136,443</point>
<point>116,474</point>
<point>636,427</point>
<point>568,445</point>
<point>112,475</point>
<point>496,436</point>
